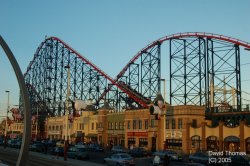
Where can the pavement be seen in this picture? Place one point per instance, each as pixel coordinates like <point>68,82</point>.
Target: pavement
<point>48,158</point>
<point>71,162</point>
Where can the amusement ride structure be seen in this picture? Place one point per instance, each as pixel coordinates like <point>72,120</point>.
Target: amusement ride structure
<point>199,64</point>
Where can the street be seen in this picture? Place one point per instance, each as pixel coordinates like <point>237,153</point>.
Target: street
<point>9,156</point>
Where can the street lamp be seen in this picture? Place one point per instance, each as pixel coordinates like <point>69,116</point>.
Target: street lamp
<point>36,120</point>
<point>67,111</point>
<point>6,122</point>
<point>164,113</point>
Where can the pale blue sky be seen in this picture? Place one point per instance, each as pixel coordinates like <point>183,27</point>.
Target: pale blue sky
<point>109,33</point>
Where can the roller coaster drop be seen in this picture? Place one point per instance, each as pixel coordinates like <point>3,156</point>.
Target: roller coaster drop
<point>199,62</point>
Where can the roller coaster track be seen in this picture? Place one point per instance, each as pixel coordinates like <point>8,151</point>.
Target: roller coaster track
<point>131,91</point>
<point>137,98</point>
<point>175,36</point>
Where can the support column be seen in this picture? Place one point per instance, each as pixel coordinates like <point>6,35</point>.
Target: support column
<point>186,139</point>
<point>242,135</point>
<point>203,136</point>
<point>221,124</point>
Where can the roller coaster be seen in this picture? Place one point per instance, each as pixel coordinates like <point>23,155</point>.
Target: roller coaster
<point>198,62</point>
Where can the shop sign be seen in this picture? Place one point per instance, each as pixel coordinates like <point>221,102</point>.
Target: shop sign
<point>53,132</point>
<point>173,134</point>
<point>137,134</point>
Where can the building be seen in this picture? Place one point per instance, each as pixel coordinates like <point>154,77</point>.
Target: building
<point>54,128</point>
<point>180,128</point>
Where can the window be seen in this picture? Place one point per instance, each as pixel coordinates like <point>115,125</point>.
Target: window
<point>140,124</point>
<point>174,144</point>
<point>146,124</point>
<point>96,126</point>
<point>152,123</point>
<point>82,126</point>
<point>120,126</point>
<point>112,125</point>
<point>116,126</point>
<point>131,141</point>
<point>143,142</point>
<point>134,124</point>
<point>92,126</point>
<point>194,123</point>
<point>49,127</point>
<point>109,127</point>
<point>57,127</point>
<point>173,123</point>
<point>196,142</point>
<point>167,123</point>
<point>129,124</point>
<point>179,123</point>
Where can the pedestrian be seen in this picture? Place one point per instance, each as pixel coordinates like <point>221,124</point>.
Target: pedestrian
<point>166,160</point>
<point>148,160</point>
<point>156,161</point>
<point>46,147</point>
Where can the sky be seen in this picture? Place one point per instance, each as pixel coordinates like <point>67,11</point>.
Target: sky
<point>109,33</point>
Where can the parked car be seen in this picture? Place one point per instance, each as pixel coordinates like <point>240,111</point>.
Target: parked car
<point>60,143</point>
<point>199,157</point>
<point>170,153</point>
<point>72,152</point>
<point>138,152</point>
<point>11,143</point>
<point>82,153</point>
<point>51,143</point>
<point>119,159</point>
<point>118,149</point>
<point>81,145</point>
<point>173,155</point>
<point>37,147</point>
<point>78,153</point>
<point>59,151</point>
<point>238,160</point>
<point>96,148</point>
<point>18,144</point>
<point>1,141</point>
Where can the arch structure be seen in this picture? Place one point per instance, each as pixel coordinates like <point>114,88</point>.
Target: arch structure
<point>202,68</point>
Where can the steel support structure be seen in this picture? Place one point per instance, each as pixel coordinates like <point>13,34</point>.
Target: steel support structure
<point>48,77</point>
<point>224,82</point>
<point>198,61</point>
<point>223,75</point>
<point>187,71</point>
<point>151,72</point>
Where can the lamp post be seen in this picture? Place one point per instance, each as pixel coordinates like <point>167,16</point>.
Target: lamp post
<point>6,122</point>
<point>67,112</point>
<point>164,113</point>
<point>36,120</point>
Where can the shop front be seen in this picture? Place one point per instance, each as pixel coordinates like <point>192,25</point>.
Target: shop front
<point>137,139</point>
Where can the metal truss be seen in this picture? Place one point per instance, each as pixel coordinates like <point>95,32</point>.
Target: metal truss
<point>223,75</point>
<point>198,61</point>
<point>187,71</point>
<point>48,77</point>
<point>142,79</point>
<point>151,72</point>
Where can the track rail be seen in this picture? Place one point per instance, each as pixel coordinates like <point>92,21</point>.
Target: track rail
<point>178,35</point>
<point>84,59</point>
